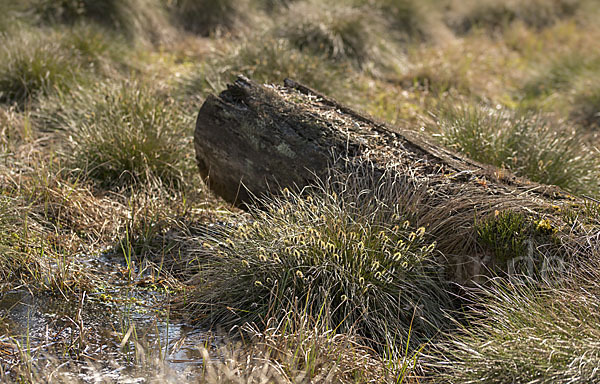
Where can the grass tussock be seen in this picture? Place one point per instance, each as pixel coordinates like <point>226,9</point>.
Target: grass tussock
<point>521,330</point>
<point>100,52</point>
<point>14,260</point>
<point>452,70</point>
<point>121,133</point>
<point>66,208</point>
<point>343,250</point>
<point>342,33</point>
<point>15,129</point>
<point>406,20</point>
<point>143,20</point>
<point>586,104</point>
<point>299,348</point>
<point>9,20</point>
<point>55,221</point>
<point>208,17</point>
<point>38,62</point>
<point>528,145</point>
<point>218,18</point>
<point>35,251</point>
<point>34,64</point>
<point>520,333</point>
<point>269,59</point>
<point>567,83</point>
<point>495,15</point>
<point>560,72</point>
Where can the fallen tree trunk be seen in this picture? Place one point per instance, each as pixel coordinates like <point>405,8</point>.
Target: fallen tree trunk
<point>254,138</point>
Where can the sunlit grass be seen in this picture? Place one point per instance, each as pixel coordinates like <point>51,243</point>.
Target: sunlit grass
<point>529,145</point>
<point>586,103</point>
<point>34,63</point>
<point>268,59</point>
<point>568,84</point>
<point>121,133</point>
<point>40,61</point>
<point>141,20</point>
<point>343,33</point>
<point>207,17</point>
<point>406,20</point>
<point>495,16</point>
<point>34,249</point>
<point>561,72</point>
<point>520,333</point>
<point>343,250</point>
<point>95,139</point>
<point>100,52</point>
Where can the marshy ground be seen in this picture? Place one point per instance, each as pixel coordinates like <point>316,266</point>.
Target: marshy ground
<point>117,264</point>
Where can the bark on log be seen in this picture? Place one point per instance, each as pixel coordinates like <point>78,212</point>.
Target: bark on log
<point>253,138</point>
<point>261,136</point>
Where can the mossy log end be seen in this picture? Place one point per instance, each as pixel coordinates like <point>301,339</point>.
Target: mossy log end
<point>254,139</point>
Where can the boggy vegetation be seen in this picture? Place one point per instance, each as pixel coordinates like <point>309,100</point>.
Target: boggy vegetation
<point>343,251</point>
<point>337,282</point>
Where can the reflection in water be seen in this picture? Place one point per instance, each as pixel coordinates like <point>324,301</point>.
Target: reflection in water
<point>107,333</point>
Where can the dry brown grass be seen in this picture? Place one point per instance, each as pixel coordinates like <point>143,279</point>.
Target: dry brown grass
<point>55,217</point>
<point>299,350</point>
<point>495,16</point>
<point>476,66</point>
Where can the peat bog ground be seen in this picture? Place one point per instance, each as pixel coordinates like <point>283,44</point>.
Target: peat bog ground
<point>118,263</point>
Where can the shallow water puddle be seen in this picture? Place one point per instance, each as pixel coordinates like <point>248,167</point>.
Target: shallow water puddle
<point>116,330</point>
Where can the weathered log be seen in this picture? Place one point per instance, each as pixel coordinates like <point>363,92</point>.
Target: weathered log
<point>254,138</point>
